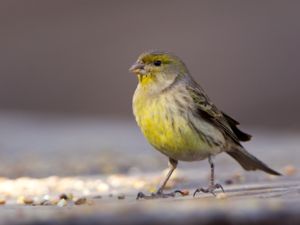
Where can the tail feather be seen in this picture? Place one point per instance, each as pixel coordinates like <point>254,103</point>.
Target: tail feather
<point>250,162</point>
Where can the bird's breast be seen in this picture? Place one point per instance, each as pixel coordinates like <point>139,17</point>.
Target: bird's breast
<point>164,121</point>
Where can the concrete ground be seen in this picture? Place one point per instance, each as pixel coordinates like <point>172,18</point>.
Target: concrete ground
<point>73,171</point>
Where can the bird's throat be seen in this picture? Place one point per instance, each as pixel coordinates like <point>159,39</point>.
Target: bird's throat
<point>146,79</point>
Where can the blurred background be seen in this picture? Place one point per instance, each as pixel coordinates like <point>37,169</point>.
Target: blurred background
<point>65,89</point>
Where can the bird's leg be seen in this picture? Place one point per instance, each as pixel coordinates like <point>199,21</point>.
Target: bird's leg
<point>159,194</point>
<point>172,164</point>
<point>212,186</point>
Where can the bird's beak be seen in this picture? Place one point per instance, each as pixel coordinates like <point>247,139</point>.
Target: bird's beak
<point>137,68</point>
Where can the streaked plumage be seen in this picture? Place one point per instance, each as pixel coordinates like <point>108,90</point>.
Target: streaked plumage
<point>177,117</point>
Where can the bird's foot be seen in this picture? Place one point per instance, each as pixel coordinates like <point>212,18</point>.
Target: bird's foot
<point>160,194</point>
<point>211,189</point>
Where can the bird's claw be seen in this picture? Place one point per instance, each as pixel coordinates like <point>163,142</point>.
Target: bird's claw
<point>159,194</point>
<point>211,189</point>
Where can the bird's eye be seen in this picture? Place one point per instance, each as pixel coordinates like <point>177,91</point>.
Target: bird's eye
<point>157,63</point>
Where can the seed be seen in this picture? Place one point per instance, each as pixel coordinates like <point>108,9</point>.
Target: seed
<point>121,196</point>
<point>63,196</point>
<point>290,170</point>
<point>62,203</point>
<point>185,192</point>
<point>90,202</point>
<point>97,197</point>
<point>80,201</point>
<point>2,201</point>
<point>25,200</point>
<point>46,202</point>
<point>229,181</point>
<point>221,196</point>
<point>70,196</point>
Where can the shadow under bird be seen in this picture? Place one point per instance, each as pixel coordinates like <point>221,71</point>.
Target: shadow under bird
<point>179,120</point>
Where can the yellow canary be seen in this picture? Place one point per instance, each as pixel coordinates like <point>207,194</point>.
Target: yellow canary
<point>179,120</point>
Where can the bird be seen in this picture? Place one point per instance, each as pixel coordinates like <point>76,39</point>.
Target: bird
<point>179,120</point>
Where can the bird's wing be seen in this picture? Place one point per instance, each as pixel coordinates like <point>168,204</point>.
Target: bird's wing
<point>233,125</point>
<point>208,111</point>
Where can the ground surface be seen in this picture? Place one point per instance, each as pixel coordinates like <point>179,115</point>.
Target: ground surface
<point>79,171</point>
<point>272,202</point>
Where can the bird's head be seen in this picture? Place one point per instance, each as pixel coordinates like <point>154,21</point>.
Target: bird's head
<point>158,69</point>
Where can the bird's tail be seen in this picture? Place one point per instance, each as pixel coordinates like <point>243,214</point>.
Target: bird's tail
<point>250,162</point>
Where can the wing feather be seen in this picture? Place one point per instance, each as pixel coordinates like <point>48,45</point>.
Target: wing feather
<point>208,111</point>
